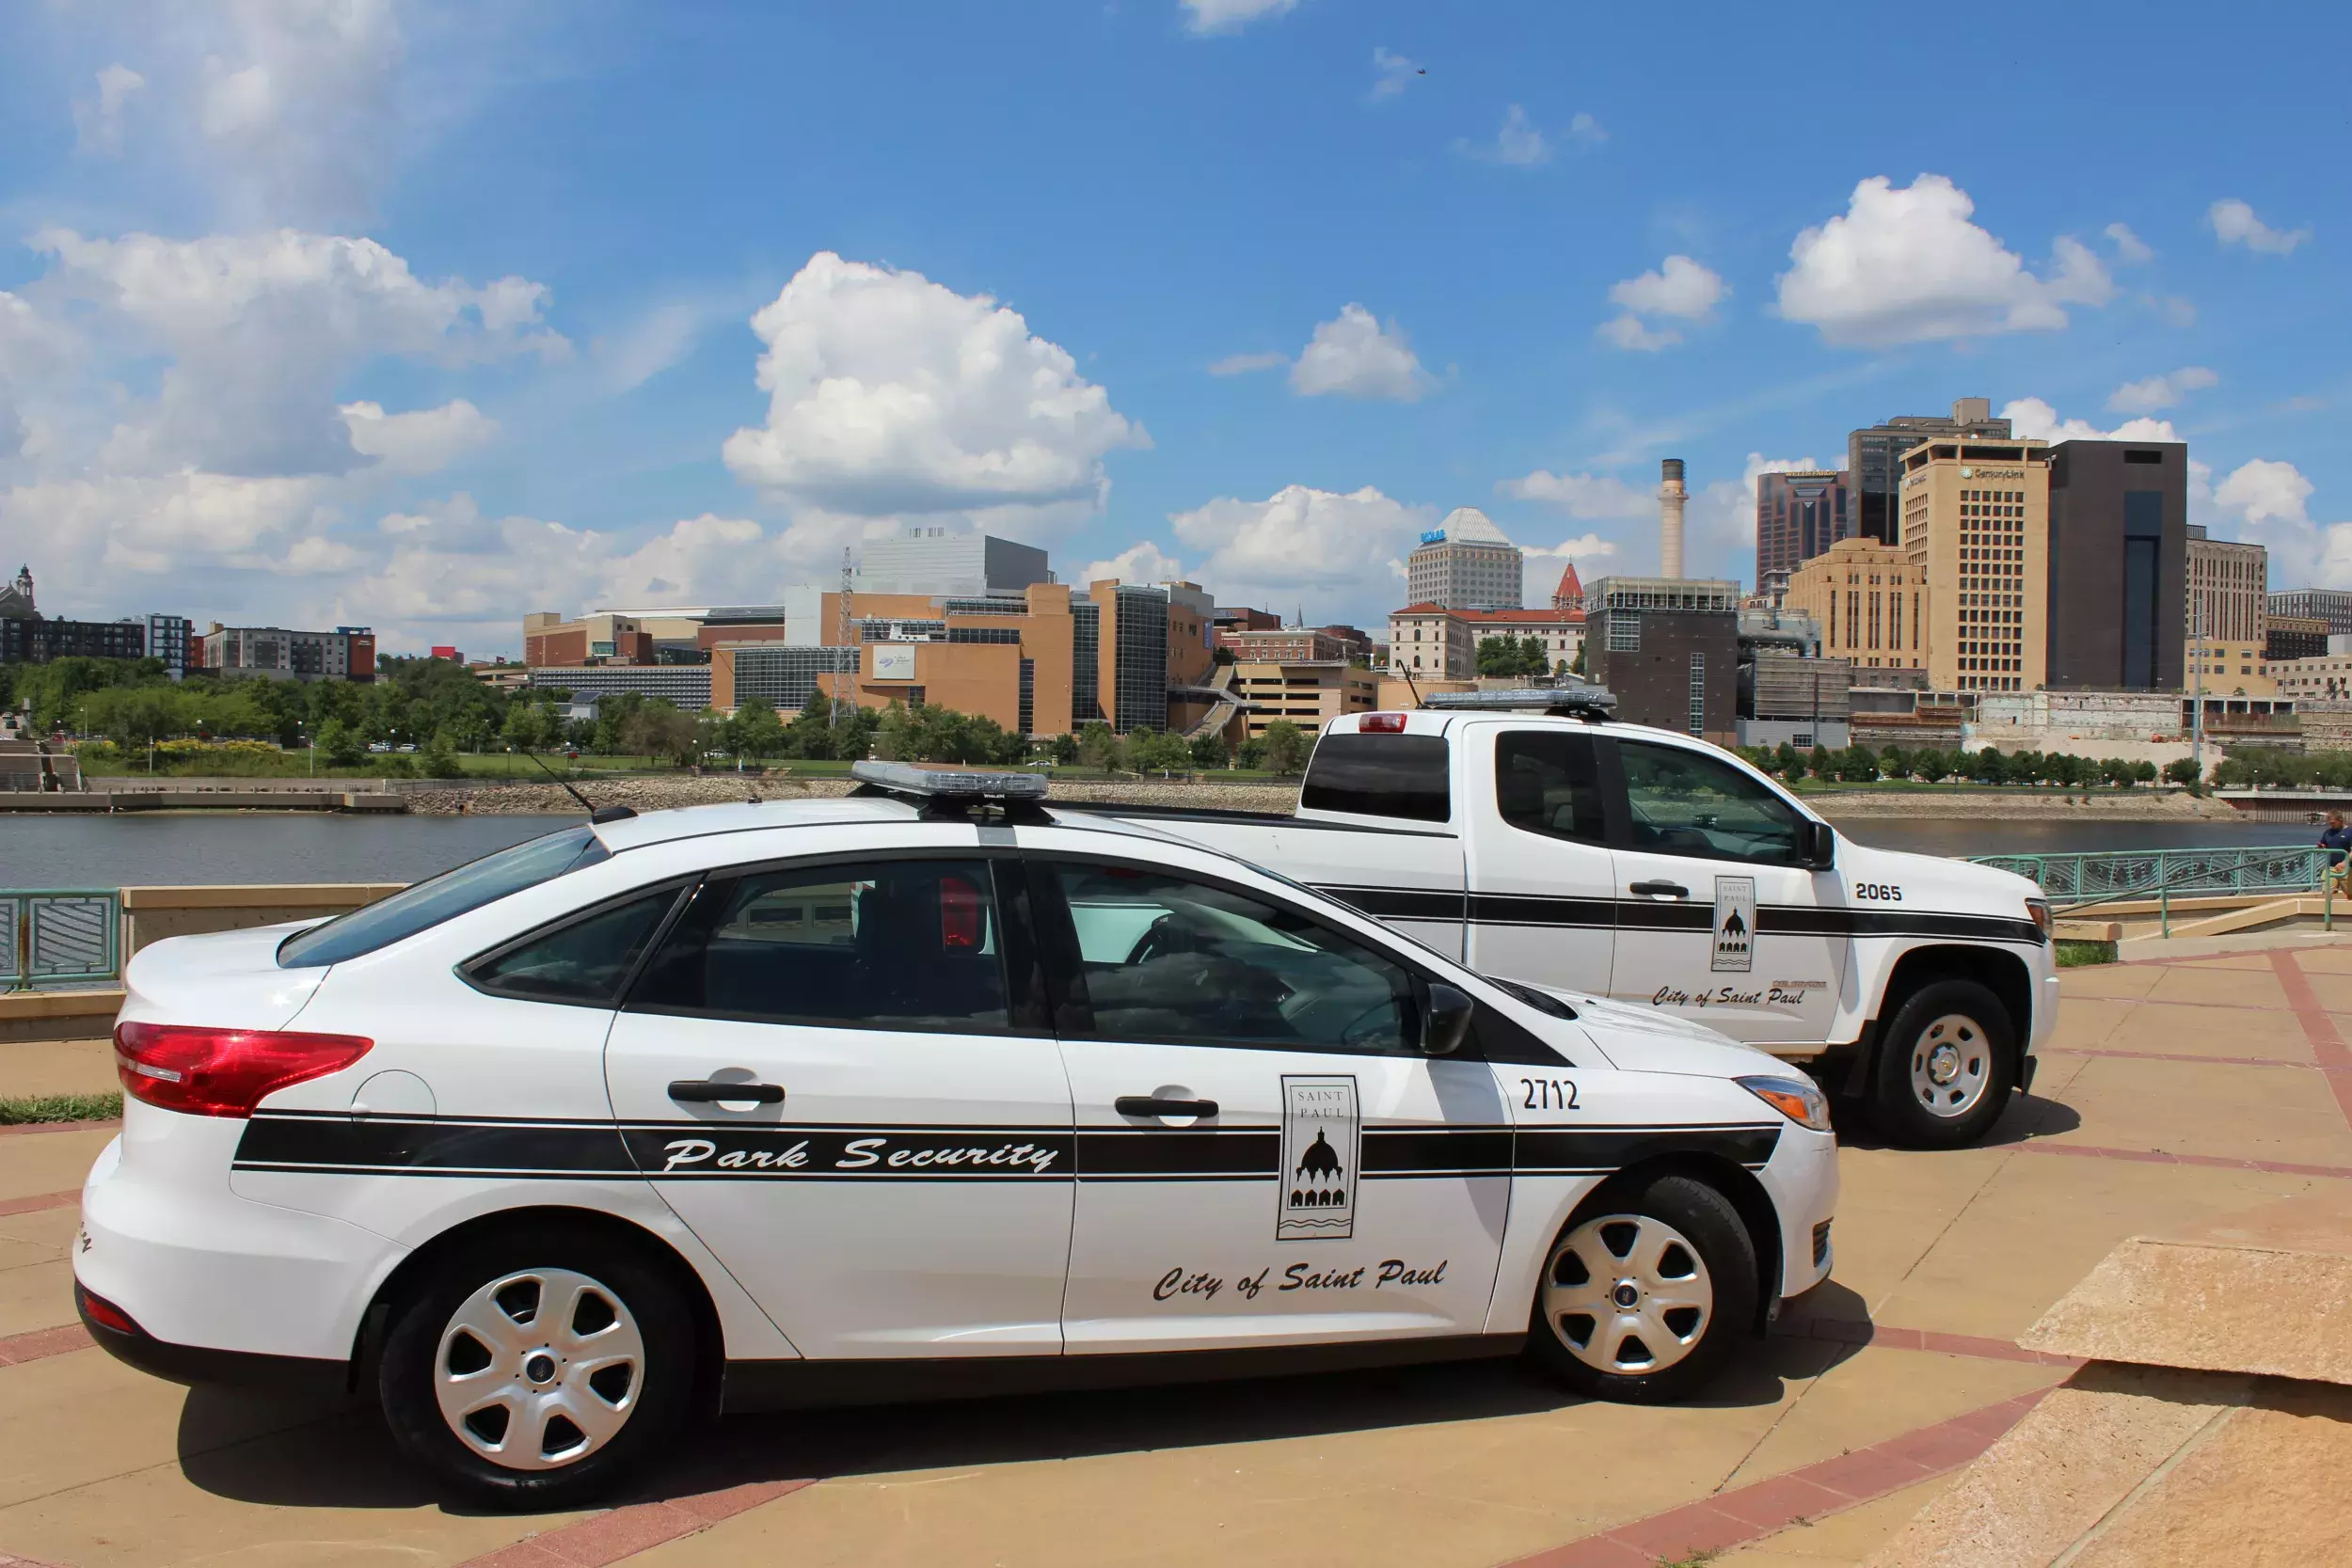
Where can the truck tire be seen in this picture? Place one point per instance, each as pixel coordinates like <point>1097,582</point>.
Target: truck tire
<point>1948,1061</point>
<point>1646,1292</point>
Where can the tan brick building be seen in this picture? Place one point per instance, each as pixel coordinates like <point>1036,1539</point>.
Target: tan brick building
<point>1976,524</point>
<point>1870,602</point>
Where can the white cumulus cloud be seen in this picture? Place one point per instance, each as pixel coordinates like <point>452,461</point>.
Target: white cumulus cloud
<point>1229,16</point>
<point>1354,356</point>
<point>1582,495</point>
<point>1391,73</point>
<point>1679,289</point>
<point>2035,419</point>
<point>1342,553</point>
<point>2130,249</point>
<point>98,122</point>
<point>2160,391</point>
<point>2270,503</point>
<point>1907,265</point>
<point>421,442</point>
<point>1144,562</point>
<point>1519,144</point>
<point>2233,223</point>
<point>890,394</point>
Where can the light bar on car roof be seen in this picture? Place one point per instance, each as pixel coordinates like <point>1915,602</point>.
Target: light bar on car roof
<point>1578,701</point>
<point>948,783</point>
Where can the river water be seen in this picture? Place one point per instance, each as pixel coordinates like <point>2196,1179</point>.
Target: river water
<point>175,847</point>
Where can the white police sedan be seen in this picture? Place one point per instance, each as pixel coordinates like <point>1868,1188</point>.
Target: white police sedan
<point>912,1095</point>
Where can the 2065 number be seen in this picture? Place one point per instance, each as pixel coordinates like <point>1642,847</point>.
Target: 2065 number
<point>1885,892</point>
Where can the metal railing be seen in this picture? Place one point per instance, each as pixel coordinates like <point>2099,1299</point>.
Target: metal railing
<point>2081,881</point>
<point>59,936</point>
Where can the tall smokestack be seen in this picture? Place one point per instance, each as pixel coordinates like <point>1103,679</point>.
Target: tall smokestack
<point>1670,498</point>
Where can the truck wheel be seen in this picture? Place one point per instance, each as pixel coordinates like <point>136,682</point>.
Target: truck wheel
<point>1646,1291</point>
<point>538,1370</point>
<point>1945,1067</point>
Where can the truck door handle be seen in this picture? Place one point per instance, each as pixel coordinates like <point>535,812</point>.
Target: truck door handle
<point>1153,1105</point>
<point>1662,887</point>
<point>706,1091</point>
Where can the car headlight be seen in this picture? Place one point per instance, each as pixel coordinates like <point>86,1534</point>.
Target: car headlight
<point>1793,1097</point>
<point>2040,909</point>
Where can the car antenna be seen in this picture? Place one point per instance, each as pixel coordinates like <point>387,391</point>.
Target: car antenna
<point>596,813</point>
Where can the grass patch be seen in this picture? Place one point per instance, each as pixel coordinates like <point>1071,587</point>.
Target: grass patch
<point>27,1109</point>
<point>2078,955</point>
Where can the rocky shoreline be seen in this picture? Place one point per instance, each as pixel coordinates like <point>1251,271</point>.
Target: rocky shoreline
<point>656,794</point>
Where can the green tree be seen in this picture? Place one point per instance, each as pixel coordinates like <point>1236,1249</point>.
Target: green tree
<point>338,746</point>
<point>1154,752</point>
<point>1895,763</point>
<point>755,730</point>
<point>1507,654</point>
<point>529,727</point>
<point>2181,770</point>
<point>1787,761</point>
<point>2143,772</point>
<point>135,716</point>
<point>1064,750</point>
<point>655,728</point>
<point>1250,753</point>
<point>1286,747</point>
<point>1098,746</point>
<point>1209,752</point>
<point>439,757</point>
<point>1822,764</point>
<point>1989,766</point>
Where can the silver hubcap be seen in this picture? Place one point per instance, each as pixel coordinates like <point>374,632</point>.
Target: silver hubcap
<point>539,1369</point>
<point>1951,1065</point>
<point>1627,1294</point>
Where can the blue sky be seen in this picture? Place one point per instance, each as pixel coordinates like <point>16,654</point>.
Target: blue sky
<point>424,316</point>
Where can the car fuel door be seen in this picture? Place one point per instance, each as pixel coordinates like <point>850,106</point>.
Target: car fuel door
<point>838,1074</point>
<point>1718,918</point>
<point>1264,1157</point>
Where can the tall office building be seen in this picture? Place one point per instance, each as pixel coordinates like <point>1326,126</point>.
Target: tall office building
<point>2228,614</point>
<point>1797,517</point>
<point>167,638</point>
<point>1874,467</point>
<point>1870,601</point>
<point>1465,562</point>
<point>1975,521</point>
<point>949,563</point>
<point>2331,604</point>
<point>2119,546</point>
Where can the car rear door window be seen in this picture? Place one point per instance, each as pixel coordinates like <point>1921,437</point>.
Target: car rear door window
<point>1546,781</point>
<point>881,945</point>
<point>584,962</point>
<point>1165,958</point>
<point>1380,775</point>
<point>1684,802</point>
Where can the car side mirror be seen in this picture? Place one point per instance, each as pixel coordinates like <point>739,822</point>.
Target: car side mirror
<point>1445,1020</point>
<point>1820,843</point>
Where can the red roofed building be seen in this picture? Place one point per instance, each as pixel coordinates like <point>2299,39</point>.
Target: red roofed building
<point>1430,640</point>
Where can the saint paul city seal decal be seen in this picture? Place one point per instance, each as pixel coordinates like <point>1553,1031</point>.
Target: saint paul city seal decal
<point>1321,1140</point>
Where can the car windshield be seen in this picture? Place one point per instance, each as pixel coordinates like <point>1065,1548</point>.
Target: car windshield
<point>442,897</point>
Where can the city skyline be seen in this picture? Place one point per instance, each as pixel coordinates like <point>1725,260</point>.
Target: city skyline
<point>352,315</point>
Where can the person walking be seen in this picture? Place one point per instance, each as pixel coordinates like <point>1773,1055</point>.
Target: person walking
<point>2337,840</point>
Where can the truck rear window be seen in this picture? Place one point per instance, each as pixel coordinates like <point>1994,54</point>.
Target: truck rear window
<point>1380,775</point>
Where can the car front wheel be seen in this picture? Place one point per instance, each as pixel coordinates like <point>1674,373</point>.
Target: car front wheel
<point>1646,1291</point>
<point>533,1372</point>
<point>1946,1065</point>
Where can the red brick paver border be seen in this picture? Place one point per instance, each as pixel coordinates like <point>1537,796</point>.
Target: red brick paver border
<point>34,1204</point>
<point>1764,1507</point>
<point>605,1538</point>
<point>42,1343</point>
<point>2328,1046</point>
<point>19,1129</point>
<point>1840,1331</point>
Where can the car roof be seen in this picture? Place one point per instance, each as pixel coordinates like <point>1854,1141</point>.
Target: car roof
<point>1424,720</point>
<point>683,822</point>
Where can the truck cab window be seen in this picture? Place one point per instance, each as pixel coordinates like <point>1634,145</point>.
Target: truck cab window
<point>1380,775</point>
<point>1683,802</point>
<point>1546,783</point>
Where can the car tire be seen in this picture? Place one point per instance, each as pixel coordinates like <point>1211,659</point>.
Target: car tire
<point>1947,1063</point>
<point>537,1369</point>
<point>1681,1249</point>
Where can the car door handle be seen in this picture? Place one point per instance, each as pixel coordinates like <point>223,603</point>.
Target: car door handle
<point>705,1091</point>
<point>1153,1105</point>
<point>1662,887</point>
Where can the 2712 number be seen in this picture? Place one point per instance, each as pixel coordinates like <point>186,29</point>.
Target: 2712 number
<point>1548,1094</point>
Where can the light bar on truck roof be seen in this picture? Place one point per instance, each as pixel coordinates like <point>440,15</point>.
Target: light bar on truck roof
<point>1574,702</point>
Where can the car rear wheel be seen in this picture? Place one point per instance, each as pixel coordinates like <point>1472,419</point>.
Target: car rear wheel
<point>1645,1292</point>
<point>1946,1065</point>
<point>533,1372</point>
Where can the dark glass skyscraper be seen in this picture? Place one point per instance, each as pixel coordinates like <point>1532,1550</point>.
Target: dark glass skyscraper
<point>1797,516</point>
<point>1873,472</point>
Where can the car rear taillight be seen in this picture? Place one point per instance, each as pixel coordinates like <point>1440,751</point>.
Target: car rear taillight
<point>1381,724</point>
<point>223,1073</point>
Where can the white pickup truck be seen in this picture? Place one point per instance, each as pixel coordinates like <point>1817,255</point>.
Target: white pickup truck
<point>1609,860</point>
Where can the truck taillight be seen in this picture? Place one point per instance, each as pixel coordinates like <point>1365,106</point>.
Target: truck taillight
<point>223,1073</point>
<point>1381,724</point>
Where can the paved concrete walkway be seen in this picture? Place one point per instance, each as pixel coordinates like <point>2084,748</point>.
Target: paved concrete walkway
<point>2176,1089</point>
